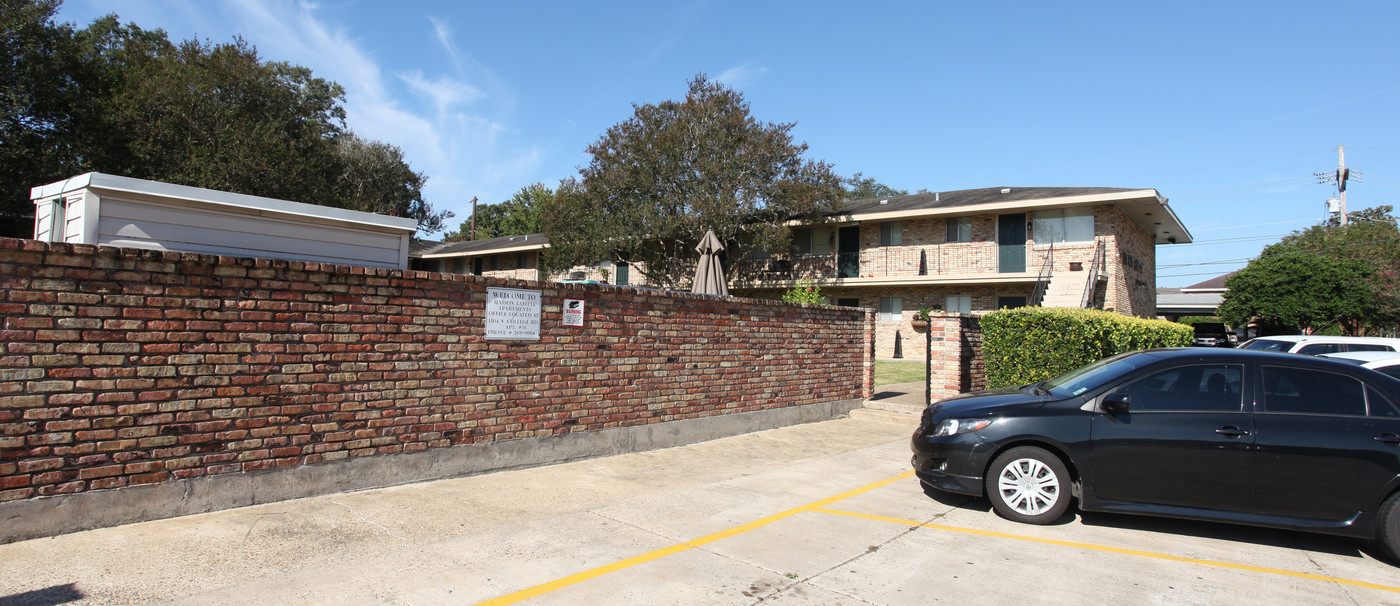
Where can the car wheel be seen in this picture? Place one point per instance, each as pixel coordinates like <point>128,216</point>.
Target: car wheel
<point>1029,485</point>
<point>1388,527</point>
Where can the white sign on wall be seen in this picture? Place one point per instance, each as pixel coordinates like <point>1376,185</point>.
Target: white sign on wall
<point>512,314</point>
<point>573,312</point>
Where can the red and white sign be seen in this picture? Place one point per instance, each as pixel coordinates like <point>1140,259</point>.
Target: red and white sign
<point>573,312</point>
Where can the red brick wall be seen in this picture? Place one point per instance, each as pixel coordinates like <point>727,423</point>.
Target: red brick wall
<point>121,367</point>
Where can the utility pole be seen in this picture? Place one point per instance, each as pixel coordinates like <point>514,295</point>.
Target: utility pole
<point>473,236</point>
<point>1342,175</point>
<point>1340,178</point>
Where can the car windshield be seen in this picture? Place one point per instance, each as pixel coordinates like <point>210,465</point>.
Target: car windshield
<point>1268,345</point>
<point>1084,378</point>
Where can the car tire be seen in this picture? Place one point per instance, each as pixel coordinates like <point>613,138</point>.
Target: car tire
<point>1029,485</point>
<point>1388,527</point>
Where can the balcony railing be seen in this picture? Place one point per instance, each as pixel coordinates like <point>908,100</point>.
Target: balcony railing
<point>945,260</point>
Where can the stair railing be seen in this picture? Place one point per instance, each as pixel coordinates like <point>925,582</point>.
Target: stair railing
<point>1095,266</point>
<point>1042,282</point>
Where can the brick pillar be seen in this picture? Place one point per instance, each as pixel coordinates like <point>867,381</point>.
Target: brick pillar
<point>867,383</point>
<point>945,355</point>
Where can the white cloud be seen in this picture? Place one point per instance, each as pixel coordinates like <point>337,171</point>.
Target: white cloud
<point>460,139</point>
<point>740,76</point>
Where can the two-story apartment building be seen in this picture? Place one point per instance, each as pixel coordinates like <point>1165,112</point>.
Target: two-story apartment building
<point>977,250</point>
<point>965,251</point>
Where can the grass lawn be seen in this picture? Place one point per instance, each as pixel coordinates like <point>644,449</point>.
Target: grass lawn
<point>887,372</point>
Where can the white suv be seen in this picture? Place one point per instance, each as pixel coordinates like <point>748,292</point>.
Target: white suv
<point>1314,345</point>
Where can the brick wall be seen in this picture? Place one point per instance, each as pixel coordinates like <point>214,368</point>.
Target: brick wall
<point>124,367</point>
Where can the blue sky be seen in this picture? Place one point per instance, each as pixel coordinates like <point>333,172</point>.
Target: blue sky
<point>1227,108</point>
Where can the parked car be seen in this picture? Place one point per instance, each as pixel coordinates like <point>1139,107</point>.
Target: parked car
<point>1315,345</point>
<point>1385,362</point>
<point>1213,334</point>
<point>1232,435</point>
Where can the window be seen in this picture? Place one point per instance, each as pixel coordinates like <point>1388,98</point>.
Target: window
<point>848,302</point>
<point>1010,302</point>
<point>891,233</point>
<point>958,304</point>
<point>812,240</point>
<point>1064,225</point>
<point>1368,347</point>
<point>1379,405</point>
<point>959,229</point>
<point>520,260</point>
<point>891,309</point>
<point>1302,391</point>
<point>1207,387</point>
<point>1317,349</point>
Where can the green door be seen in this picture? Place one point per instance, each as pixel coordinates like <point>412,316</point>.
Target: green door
<point>1011,243</point>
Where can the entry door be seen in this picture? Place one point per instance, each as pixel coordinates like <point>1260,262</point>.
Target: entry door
<point>1011,243</point>
<point>848,252</point>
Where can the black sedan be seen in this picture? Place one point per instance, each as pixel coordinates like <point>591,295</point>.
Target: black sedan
<point>1249,437</point>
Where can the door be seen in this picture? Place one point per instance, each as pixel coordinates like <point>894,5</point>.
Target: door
<point>1185,441</point>
<point>1011,243</point>
<point>848,252</point>
<point>1319,454</point>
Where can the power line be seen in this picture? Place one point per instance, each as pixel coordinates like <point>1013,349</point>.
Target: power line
<point>1256,225</point>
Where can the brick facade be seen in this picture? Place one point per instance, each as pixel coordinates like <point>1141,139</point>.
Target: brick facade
<point>124,367</point>
<point>928,269</point>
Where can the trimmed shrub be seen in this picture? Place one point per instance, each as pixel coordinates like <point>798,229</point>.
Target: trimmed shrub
<point>1030,344</point>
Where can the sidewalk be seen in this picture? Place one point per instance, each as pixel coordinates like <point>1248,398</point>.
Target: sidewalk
<point>462,540</point>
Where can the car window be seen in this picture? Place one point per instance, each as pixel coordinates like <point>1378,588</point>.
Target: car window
<point>1379,405</point>
<point>1304,391</point>
<point>1087,377</point>
<point>1205,387</point>
<point>1393,371</point>
<point>1320,348</point>
<point>1267,345</point>
<point>1368,347</point>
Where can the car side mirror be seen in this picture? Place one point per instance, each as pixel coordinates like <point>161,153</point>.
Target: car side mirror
<point>1116,402</point>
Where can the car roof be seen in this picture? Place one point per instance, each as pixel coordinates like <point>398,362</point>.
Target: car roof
<point>1327,339</point>
<point>1367,356</point>
<point>1245,355</point>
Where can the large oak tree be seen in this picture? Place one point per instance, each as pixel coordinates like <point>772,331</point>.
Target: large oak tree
<point>660,179</point>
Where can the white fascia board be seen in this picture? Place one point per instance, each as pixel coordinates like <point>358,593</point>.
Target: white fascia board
<point>112,183</point>
<point>1019,205</point>
<point>489,251</point>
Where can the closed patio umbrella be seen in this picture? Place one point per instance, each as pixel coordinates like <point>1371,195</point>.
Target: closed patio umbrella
<point>709,275</point>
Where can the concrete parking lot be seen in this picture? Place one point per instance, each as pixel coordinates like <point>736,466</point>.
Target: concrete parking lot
<point>825,513</point>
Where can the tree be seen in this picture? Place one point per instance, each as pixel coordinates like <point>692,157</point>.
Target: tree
<point>375,178</point>
<point>522,214</point>
<point>1298,291</point>
<point>660,179</point>
<point>860,187</point>
<point>118,99</point>
<point>1370,236</point>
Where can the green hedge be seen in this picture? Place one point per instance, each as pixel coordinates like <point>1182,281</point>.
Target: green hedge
<point>1030,344</point>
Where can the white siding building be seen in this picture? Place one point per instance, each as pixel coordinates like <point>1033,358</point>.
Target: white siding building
<point>103,209</point>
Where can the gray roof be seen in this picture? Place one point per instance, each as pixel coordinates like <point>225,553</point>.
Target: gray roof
<point>971,197</point>
<point>471,248</point>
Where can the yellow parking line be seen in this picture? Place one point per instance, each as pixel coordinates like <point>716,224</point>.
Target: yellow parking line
<point>661,553</point>
<point>1145,554</point>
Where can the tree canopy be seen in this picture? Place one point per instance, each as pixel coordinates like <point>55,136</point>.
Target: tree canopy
<point>118,99</point>
<point>1355,284</point>
<point>522,214</point>
<point>1298,291</point>
<point>860,187</point>
<point>658,180</point>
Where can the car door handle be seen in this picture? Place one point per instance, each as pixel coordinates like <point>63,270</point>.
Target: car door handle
<point>1233,432</point>
<point>1389,438</point>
